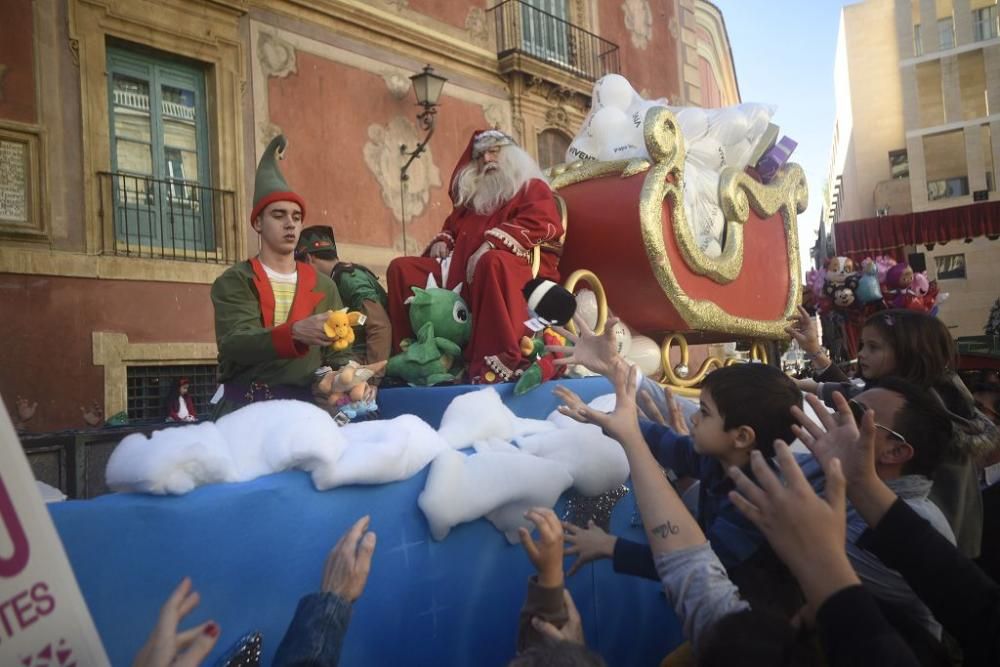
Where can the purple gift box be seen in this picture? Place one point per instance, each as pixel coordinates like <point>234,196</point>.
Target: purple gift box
<point>775,159</point>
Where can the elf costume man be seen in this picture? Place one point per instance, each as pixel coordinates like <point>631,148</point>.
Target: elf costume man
<point>502,209</point>
<point>270,310</point>
<point>359,290</point>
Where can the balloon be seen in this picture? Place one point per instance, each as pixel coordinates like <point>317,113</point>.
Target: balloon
<point>583,147</point>
<point>707,152</point>
<point>614,91</point>
<point>609,126</point>
<point>729,126</point>
<point>623,336</point>
<point>693,122</point>
<point>625,151</point>
<point>645,353</point>
<point>586,307</point>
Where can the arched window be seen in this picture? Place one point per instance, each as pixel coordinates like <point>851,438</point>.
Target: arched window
<point>552,146</point>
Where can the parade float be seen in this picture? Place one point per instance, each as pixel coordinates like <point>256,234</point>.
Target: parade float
<point>446,585</point>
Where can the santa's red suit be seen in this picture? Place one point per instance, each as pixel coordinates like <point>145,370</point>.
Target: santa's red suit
<point>494,296</point>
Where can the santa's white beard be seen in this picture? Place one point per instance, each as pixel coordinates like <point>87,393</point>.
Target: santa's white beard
<point>494,187</point>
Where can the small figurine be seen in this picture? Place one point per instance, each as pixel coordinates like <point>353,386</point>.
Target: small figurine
<point>181,405</point>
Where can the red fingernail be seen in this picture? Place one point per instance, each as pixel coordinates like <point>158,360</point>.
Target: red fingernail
<point>212,630</point>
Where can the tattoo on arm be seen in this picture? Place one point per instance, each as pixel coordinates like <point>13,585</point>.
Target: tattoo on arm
<point>665,529</point>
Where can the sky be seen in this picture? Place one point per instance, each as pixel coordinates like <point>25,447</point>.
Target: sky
<point>784,52</point>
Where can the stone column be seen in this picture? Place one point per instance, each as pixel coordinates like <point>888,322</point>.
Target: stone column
<point>974,163</point>
<point>963,22</point>
<point>951,89</point>
<point>918,172</point>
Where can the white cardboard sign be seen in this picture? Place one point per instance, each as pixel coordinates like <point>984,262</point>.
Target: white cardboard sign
<point>44,621</point>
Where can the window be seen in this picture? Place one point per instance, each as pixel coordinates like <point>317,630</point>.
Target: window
<point>918,42</point>
<point>159,153</point>
<point>984,23</point>
<point>950,266</point>
<point>947,188</point>
<point>552,147</point>
<point>899,164</point>
<point>946,33</point>
<point>545,30</point>
<point>150,389</point>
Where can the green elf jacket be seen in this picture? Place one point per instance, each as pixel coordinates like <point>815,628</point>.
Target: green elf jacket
<point>357,284</point>
<point>253,350</point>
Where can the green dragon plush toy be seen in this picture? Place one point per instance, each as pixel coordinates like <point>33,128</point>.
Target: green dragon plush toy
<point>443,324</point>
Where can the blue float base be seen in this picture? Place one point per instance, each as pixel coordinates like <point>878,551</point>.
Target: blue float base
<point>253,549</point>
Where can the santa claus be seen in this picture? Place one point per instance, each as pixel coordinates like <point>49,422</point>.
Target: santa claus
<point>503,208</point>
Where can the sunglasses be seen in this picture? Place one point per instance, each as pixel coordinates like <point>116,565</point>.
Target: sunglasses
<point>858,411</point>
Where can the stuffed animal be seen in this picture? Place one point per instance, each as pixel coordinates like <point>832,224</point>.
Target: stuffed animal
<point>443,324</point>
<point>427,361</point>
<point>548,303</point>
<point>342,392</point>
<point>339,327</point>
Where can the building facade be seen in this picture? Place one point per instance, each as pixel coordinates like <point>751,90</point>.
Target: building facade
<point>917,87</point>
<point>129,133</point>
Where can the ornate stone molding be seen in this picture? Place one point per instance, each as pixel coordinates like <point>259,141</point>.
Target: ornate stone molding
<point>558,117</point>
<point>384,160</point>
<point>639,22</point>
<point>475,23</point>
<point>277,57</point>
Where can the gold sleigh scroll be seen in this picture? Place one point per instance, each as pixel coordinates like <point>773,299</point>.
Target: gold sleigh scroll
<point>738,194</point>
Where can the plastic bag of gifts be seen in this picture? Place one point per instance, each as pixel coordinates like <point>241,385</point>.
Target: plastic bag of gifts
<point>714,139</point>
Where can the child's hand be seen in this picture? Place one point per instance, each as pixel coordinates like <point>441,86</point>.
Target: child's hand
<point>652,412</point>
<point>622,423</point>
<point>598,353</point>
<point>571,403</point>
<point>589,544</point>
<point>547,553</point>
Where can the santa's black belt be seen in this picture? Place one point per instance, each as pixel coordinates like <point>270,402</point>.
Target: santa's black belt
<point>253,392</point>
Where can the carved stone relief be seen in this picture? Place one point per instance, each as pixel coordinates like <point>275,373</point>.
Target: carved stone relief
<point>558,117</point>
<point>277,57</point>
<point>267,131</point>
<point>497,116</point>
<point>397,84</point>
<point>475,23</point>
<point>384,160</point>
<point>639,22</point>
<point>398,5</point>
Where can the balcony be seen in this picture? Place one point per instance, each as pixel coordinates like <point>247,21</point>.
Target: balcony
<point>526,33</point>
<point>168,219</point>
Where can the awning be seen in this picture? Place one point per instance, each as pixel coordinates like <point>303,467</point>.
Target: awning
<point>888,235</point>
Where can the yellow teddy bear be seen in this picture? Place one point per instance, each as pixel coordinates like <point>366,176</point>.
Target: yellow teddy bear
<point>339,325</point>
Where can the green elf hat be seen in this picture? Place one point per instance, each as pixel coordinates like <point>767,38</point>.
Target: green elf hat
<point>270,186</point>
<point>316,238</point>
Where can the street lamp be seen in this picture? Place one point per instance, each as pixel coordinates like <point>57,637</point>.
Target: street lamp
<point>427,88</point>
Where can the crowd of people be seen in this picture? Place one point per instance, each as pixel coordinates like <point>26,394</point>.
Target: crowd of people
<point>858,551</point>
<point>859,548</point>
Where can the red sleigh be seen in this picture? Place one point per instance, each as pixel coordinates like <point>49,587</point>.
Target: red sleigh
<point>626,225</point>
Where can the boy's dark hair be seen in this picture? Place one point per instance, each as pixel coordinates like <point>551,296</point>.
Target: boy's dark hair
<point>755,638</point>
<point>925,424</point>
<point>920,342</point>
<point>758,396</point>
<point>550,653</point>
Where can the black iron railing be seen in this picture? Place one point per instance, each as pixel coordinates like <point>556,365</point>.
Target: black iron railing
<point>522,28</point>
<point>168,218</point>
